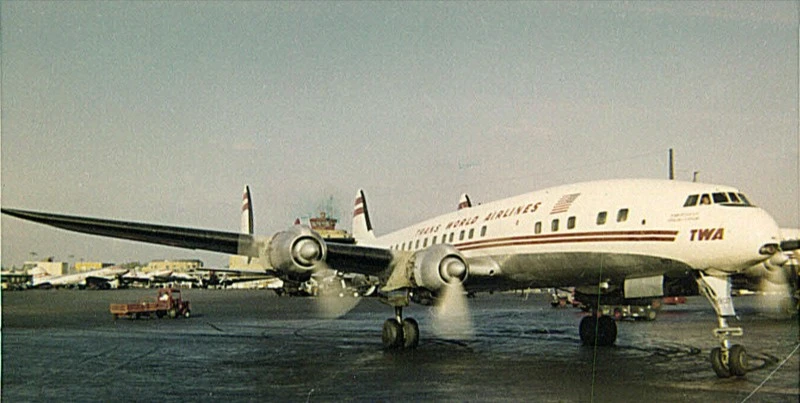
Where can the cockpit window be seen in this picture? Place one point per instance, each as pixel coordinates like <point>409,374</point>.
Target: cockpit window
<point>744,200</point>
<point>723,198</point>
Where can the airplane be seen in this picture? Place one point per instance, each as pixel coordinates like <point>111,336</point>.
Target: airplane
<point>608,238</point>
<point>104,278</point>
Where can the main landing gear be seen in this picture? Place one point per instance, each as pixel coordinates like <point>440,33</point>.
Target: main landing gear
<point>727,360</point>
<point>400,333</point>
<point>598,330</point>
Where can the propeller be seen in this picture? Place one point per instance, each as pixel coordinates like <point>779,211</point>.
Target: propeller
<point>333,299</point>
<point>776,285</point>
<point>451,315</point>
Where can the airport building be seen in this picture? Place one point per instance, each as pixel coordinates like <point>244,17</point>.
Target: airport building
<point>173,265</point>
<point>90,266</point>
<point>325,226</point>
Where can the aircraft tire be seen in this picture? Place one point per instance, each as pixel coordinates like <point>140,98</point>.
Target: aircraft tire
<point>392,334</point>
<point>410,333</point>
<point>587,330</point>
<point>187,314</point>
<point>737,360</point>
<point>173,313</point>
<point>606,331</point>
<point>717,365</point>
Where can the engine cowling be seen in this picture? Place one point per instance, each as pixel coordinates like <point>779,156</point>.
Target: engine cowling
<point>296,252</point>
<point>438,266</point>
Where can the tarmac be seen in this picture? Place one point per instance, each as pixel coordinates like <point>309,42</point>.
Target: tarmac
<point>250,345</point>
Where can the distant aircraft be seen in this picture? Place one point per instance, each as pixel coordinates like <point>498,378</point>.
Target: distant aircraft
<point>608,239</point>
<point>104,278</point>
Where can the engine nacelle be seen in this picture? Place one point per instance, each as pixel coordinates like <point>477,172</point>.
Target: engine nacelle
<point>438,266</point>
<point>296,252</point>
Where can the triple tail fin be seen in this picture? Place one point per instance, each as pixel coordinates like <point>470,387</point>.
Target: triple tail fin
<point>247,212</point>
<point>362,226</point>
<point>246,227</point>
<point>464,201</point>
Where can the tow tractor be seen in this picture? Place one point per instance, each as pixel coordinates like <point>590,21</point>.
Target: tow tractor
<point>167,303</point>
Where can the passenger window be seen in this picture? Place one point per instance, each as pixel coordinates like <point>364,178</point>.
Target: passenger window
<point>483,231</point>
<point>733,197</point>
<point>471,232</point>
<point>704,199</point>
<point>571,222</point>
<point>537,228</point>
<point>403,246</point>
<point>601,217</point>
<point>554,225</point>
<point>416,244</point>
<point>691,201</point>
<point>622,215</point>
<point>720,198</point>
<point>461,235</point>
<point>434,240</point>
<point>451,236</point>
<point>425,243</point>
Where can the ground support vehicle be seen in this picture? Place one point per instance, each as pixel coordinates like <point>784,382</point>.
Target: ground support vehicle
<point>167,303</point>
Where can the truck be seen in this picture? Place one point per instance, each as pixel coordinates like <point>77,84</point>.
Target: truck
<point>168,302</point>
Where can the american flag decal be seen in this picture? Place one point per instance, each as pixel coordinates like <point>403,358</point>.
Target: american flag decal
<point>564,202</point>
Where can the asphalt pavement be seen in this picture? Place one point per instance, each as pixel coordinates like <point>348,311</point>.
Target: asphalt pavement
<point>63,345</point>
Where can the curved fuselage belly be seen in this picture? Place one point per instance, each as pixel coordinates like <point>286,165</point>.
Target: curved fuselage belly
<point>570,268</point>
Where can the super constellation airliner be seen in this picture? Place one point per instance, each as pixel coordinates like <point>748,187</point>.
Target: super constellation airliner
<point>618,238</point>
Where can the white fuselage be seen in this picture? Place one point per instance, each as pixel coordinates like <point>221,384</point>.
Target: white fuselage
<point>603,231</point>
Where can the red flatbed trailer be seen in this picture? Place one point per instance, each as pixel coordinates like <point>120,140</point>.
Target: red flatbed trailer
<point>168,303</point>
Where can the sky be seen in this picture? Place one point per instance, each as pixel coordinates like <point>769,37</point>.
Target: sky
<point>161,112</point>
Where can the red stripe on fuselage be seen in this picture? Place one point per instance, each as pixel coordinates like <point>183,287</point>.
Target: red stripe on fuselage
<point>578,237</point>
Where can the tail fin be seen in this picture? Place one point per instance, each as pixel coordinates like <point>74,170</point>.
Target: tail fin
<point>245,228</point>
<point>247,212</point>
<point>39,276</point>
<point>362,226</point>
<point>464,201</point>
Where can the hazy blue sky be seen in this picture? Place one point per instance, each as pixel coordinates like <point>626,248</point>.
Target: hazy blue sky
<point>161,112</point>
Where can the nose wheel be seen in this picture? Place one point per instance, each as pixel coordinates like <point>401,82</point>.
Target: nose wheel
<point>726,360</point>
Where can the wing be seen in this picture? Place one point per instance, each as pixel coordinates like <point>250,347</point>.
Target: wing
<point>340,256</point>
<point>188,238</point>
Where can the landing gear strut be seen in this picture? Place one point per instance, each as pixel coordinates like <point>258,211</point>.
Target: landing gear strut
<point>727,360</point>
<point>400,333</point>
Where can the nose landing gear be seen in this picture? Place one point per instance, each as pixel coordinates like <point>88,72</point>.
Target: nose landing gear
<point>726,360</point>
